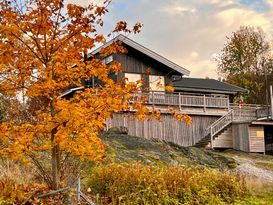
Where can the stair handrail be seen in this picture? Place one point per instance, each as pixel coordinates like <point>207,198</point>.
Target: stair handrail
<point>228,117</point>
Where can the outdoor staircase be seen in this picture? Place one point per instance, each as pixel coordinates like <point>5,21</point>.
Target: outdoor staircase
<point>216,129</point>
<point>205,141</point>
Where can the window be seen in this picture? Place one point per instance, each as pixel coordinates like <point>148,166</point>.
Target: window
<point>157,83</point>
<point>133,77</point>
<point>108,59</point>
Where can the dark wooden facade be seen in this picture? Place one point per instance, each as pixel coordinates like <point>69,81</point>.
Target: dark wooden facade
<point>138,63</point>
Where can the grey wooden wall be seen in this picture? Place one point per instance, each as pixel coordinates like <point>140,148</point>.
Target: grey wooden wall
<point>168,129</point>
<point>240,137</point>
<point>248,138</point>
<point>256,138</point>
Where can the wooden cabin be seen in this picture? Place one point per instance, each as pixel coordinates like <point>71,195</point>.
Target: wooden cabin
<point>217,122</point>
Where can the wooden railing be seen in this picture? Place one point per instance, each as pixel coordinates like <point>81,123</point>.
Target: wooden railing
<point>220,124</point>
<point>177,99</point>
<point>244,113</point>
<point>263,112</point>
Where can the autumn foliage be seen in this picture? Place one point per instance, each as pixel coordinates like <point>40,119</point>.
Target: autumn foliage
<point>42,47</point>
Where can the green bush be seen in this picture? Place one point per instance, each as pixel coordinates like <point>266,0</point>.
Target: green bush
<point>141,184</point>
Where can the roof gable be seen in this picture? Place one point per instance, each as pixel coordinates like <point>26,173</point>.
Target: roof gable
<point>147,52</point>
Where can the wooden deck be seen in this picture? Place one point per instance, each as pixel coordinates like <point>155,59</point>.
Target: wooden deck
<point>211,116</point>
<point>194,104</point>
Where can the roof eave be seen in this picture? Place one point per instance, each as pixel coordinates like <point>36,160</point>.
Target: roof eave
<point>206,90</point>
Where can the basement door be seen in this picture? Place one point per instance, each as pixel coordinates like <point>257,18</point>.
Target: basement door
<point>268,139</point>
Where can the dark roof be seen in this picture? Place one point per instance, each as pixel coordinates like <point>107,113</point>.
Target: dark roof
<point>146,51</point>
<point>206,85</point>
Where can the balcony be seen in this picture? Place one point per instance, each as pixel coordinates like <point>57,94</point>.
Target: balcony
<point>189,103</point>
<point>202,104</point>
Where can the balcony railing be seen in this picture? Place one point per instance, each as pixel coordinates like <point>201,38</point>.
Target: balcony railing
<point>247,112</point>
<point>182,100</point>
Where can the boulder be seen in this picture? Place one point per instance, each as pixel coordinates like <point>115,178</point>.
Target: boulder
<point>118,130</point>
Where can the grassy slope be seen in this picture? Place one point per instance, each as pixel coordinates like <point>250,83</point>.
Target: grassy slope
<point>125,148</point>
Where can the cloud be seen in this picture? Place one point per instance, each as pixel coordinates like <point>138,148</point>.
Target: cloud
<point>190,33</point>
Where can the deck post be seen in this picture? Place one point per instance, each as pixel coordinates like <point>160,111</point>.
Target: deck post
<point>204,99</point>
<point>179,101</point>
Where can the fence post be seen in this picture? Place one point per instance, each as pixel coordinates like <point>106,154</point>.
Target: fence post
<point>78,191</point>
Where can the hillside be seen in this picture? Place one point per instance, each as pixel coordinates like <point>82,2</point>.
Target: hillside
<point>126,148</point>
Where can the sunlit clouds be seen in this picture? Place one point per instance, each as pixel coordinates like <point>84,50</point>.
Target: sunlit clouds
<point>190,33</point>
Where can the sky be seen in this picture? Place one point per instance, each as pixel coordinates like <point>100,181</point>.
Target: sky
<point>189,32</point>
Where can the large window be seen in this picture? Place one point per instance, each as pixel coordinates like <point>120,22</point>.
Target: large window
<point>157,83</point>
<point>132,77</point>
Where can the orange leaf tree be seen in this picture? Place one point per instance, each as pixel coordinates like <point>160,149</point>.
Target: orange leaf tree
<point>42,44</point>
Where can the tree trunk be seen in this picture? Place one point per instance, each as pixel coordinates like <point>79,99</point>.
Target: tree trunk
<point>55,161</point>
<point>55,155</point>
<point>55,167</point>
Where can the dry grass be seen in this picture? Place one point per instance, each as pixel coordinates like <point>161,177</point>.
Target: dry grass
<point>142,184</point>
<point>20,173</point>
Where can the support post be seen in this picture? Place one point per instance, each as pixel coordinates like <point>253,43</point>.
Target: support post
<point>271,102</point>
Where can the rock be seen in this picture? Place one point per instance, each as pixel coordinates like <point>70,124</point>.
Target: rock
<point>118,130</point>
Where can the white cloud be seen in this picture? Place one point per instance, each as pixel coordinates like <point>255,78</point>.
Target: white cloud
<point>187,32</point>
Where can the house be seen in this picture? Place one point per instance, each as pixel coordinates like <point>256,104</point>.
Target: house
<point>217,122</point>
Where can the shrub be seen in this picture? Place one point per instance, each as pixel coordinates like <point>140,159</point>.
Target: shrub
<point>142,184</point>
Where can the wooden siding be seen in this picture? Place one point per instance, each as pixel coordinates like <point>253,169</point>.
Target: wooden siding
<point>168,129</point>
<point>135,62</point>
<point>224,140</point>
<point>240,137</point>
<point>256,138</point>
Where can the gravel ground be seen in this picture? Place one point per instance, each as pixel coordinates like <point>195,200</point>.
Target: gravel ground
<point>250,170</point>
